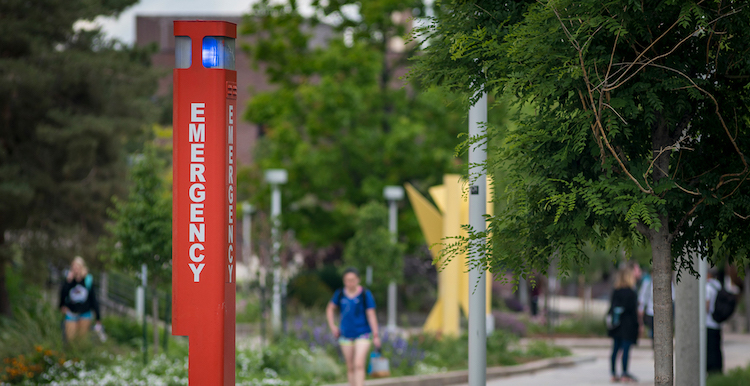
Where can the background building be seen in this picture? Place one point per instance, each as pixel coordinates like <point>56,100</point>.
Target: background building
<point>159,30</point>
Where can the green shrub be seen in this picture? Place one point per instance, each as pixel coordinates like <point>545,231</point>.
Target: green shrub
<point>582,326</point>
<point>539,349</point>
<point>128,332</point>
<point>251,311</point>
<point>310,290</point>
<point>124,331</point>
<point>498,348</point>
<point>451,353</point>
<point>735,377</point>
<point>576,326</point>
<point>290,359</point>
<point>34,324</point>
<point>448,352</point>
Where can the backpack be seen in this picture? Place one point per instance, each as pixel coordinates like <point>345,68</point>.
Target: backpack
<point>339,294</point>
<point>613,317</point>
<point>724,305</point>
<point>88,281</point>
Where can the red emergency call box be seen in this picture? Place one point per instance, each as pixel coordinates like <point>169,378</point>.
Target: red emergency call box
<point>204,184</point>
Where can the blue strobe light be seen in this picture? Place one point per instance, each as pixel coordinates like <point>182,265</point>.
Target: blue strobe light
<point>212,54</point>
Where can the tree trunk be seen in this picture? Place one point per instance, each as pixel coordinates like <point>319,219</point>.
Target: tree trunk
<point>662,279</point>
<point>661,251</point>
<point>5,308</point>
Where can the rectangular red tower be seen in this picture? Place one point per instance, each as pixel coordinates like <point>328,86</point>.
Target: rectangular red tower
<point>204,184</point>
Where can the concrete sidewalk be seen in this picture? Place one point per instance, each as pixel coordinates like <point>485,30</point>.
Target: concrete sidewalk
<point>596,373</point>
<point>593,373</point>
<point>462,376</point>
<point>589,366</point>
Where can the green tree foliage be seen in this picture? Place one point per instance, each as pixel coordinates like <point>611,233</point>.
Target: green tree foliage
<point>371,246</point>
<point>639,130</point>
<point>142,224</point>
<point>339,119</point>
<point>69,104</point>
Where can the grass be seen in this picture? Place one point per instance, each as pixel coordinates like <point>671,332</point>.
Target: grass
<point>735,377</point>
<point>451,353</point>
<point>37,325</point>
<point>578,326</point>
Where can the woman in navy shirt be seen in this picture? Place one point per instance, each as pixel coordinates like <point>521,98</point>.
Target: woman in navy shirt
<point>358,325</point>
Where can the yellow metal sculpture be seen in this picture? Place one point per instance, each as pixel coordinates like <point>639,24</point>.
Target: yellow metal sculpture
<point>438,223</point>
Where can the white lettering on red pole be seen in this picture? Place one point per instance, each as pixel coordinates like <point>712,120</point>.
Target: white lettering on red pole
<point>230,188</point>
<point>197,190</point>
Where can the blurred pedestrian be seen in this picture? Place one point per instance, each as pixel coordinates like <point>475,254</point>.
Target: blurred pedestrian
<point>638,273</point>
<point>358,324</point>
<point>646,305</point>
<point>78,301</point>
<point>536,291</point>
<point>721,301</point>
<point>626,326</point>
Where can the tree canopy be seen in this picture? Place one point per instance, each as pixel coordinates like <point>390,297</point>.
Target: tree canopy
<point>338,118</point>
<point>639,129</point>
<point>71,105</point>
<point>142,224</point>
<point>372,246</point>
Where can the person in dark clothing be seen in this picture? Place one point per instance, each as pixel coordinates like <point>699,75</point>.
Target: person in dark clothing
<point>536,291</point>
<point>78,301</point>
<point>714,356</point>
<point>625,334</point>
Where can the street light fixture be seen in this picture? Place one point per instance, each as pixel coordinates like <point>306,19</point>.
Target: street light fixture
<point>276,177</point>
<point>393,194</point>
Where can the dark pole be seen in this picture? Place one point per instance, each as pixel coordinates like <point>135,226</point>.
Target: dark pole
<point>167,320</point>
<point>283,306</point>
<point>263,307</point>
<point>145,327</point>
<point>144,284</point>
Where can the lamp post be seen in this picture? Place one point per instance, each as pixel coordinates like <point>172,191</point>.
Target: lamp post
<point>247,211</point>
<point>276,177</point>
<point>477,221</point>
<point>392,194</point>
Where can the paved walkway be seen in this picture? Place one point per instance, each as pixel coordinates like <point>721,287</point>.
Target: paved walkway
<point>641,365</point>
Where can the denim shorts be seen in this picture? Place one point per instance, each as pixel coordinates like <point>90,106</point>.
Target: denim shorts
<point>73,317</point>
<point>344,341</point>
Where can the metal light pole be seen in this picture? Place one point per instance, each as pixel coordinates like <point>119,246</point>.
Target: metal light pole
<point>687,332</point>
<point>247,211</point>
<point>144,284</point>
<point>393,194</point>
<point>276,177</point>
<point>477,221</point>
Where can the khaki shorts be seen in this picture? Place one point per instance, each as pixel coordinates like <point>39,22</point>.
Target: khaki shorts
<point>344,341</point>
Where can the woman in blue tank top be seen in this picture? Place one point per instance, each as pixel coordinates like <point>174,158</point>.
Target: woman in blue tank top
<point>358,324</point>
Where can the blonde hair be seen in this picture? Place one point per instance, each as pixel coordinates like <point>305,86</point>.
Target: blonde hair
<point>84,268</point>
<point>624,279</point>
